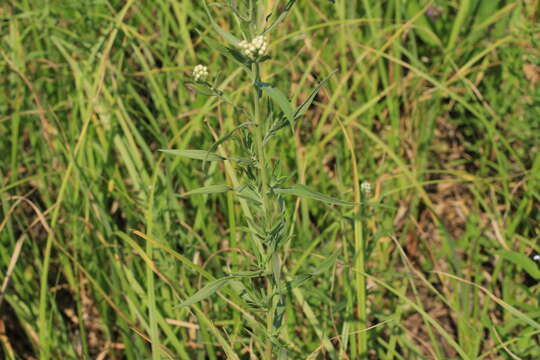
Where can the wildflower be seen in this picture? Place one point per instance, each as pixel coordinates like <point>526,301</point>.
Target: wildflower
<point>254,49</point>
<point>434,12</point>
<point>200,72</point>
<point>365,187</point>
<point>536,257</point>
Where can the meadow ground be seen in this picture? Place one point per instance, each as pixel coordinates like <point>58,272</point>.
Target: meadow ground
<point>435,103</point>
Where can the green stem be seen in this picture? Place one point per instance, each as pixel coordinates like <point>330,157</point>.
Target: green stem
<point>261,158</point>
<point>360,283</point>
<point>150,281</point>
<point>359,265</point>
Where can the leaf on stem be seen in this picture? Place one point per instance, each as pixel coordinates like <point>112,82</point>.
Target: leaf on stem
<point>281,16</point>
<point>194,154</point>
<point>281,100</point>
<point>276,267</point>
<point>211,189</point>
<point>229,52</point>
<point>304,192</point>
<point>299,280</point>
<point>325,265</point>
<point>305,105</point>
<point>204,155</point>
<point>206,291</point>
<point>230,135</point>
<point>226,35</point>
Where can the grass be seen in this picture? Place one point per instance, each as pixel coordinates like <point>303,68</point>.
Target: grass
<point>433,102</point>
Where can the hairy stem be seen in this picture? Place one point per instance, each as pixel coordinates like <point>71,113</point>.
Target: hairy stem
<point>263,185</point>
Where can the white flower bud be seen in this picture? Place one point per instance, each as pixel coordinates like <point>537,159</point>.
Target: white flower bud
<point>365,187</point>
<point>200,73</point>
<point>254,49</point>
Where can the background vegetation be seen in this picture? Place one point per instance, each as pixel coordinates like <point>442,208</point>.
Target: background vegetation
<point>442,98</point>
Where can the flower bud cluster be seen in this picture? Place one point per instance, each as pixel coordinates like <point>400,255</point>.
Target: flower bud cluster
<point>365,187</point>
<point>254,49</point>
<point>200,73</point>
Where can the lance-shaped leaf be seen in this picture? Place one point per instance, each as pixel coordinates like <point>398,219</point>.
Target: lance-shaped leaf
<point>206,291</point>
<point>248,274</point>
<point>305,105</point>
<point>325,265</point>
<point>226,35</point>
<point>204,155</point>
<point>194,154</point>
<point>281,100</point>
<point>281,16</point>
<point>276,267</point>
<point>304,192</point>
<point>278,315</point>
<point>228,51</point>
<point>522,261</point>
<point>230,134</point>
<point>422,25</point>
<point>299,280</point>
<point>249,195</point>
<point>211,189</point>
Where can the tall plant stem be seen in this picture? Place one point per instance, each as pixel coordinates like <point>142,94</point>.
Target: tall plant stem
<point>359,266</point>
<point>261,158</point>
<point>359,246</point>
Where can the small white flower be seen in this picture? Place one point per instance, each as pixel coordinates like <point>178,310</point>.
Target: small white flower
<point>536,257</point>
<point>200,73</point>
<point>365,187</point>
<point>254,49</point>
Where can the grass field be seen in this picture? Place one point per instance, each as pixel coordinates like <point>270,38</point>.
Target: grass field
<point>278,252</point>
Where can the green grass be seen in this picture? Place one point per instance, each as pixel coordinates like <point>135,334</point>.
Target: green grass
<point>435,103</point>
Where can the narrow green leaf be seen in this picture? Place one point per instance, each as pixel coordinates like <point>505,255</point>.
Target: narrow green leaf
<point>279,98</point>
<point>305,105</point>
<point>226,35</point>
<point>325,265</point>
<point>229,52</point>
<point>422,27</point>
<point>249,194</point>
<point>204,155</point>
<point>279,311</point>
<point>299,280</point>
<point>485,10</point>
<point>459,23</point>
<point>206,291</point>
<point>248,274</point>
<point>229,135</point>
<point>211,189</point>
<point>194,154</point>
<point>522,261</point>
<point>281,16</point>
<point>276,267</point>
<point>521,316</point>
<point>304,192</point>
